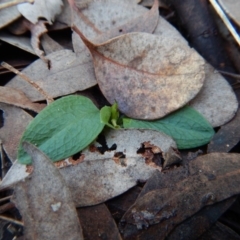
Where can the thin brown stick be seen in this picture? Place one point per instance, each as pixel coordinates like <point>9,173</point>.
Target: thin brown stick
<point>13,3</point>
<point>27,79</point>
<point>7,206</point>
<point>234,75</point>
<point>5,198</point>
<point>20,223</point>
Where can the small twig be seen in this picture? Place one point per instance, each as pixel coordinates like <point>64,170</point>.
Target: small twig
<point>13,3</point>
<point>7,206</point>
<point>27,79</point>
<point>20,223</point>
<point>234,75</point>
<point>223,16</point>
<point>5,198</point>
<point>2,159</point>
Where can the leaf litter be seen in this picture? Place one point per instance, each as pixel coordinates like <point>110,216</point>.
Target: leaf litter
<point>114,158</point>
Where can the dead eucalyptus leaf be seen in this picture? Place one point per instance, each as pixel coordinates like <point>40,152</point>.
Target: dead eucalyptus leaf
<point>41,9</point>
<point>97,176</point>
<point>8,15</point>
<point>15,122</point>
<point>45,201</point>
<point>227,137</point>
<point>216,101</point>
<point>49,45</point>
<point>97,223</point>
<point>103,176</point>
<point>91,20</point>
<point>141,67</point>
<point>146,22</point>
<point>232,8</point>
<point>210,101</point>
<point>21,42</point>
<point>17,98</point>
<point>68,74</point>
<point>215,176</point>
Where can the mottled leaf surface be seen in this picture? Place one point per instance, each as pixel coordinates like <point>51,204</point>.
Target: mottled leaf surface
<point>45,202</point>
<point>141,67</point>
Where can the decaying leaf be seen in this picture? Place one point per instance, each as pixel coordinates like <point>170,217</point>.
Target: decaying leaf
<point>21,42</point>
<point>97,223</point>
<point>49,45</point>
<point>227,137</point>
<point>17,98</point>
<point>232,8</point>
<point>211,96</point>
<point>8,15</point>
<point>212,178</point>
<point>143,23</point>
<point>40,9</point>
<point>15,122</point>
<point>68,74</point>
<point>140,67</point>
<point>216,101</point>
<point>45,202</point>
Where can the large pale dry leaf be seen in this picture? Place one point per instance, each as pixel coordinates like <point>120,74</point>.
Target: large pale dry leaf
<point>97,223</point>
<point>8,15</point>
<point>69,73</point>
<point>142,68</point>
<point>216,101</point>
<point>210,99</point>
<point>41,9</point>
<point>45,202</point>
<point>146,22</point>
<point>22,42</point>
<point>212,178</point>
<point>17,98</point>
<point>103,176</point>
<point>15,122</point>
<point>97,177</point>
<point>232,8</point>
<point>103,15</point>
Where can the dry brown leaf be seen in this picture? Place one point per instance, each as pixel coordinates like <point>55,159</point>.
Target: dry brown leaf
<point>8,15</point>
<point>232,8</point>
<point>68,74</point>
<point>209,101</point>
<point>142,68</point>
<point>103,15</point>
<point>49,45</point>
<point>17,98</point>
<point>143,23</point>
<point>96,177</point>
<point>216,101</point>
<point>21,42</point>
<point>15,122</point>
<point>45,202</point>
<point>41,9</point>
<point>212,178</point>
<point>97,223</point>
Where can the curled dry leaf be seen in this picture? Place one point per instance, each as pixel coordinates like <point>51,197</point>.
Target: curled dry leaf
<point>8,15</point>
<point>15,122</point>
<point>17,98</point>
<point>215,176</point>
<point>68,74</point>
<point>45,202</point>
<point>49,45</point>
<point>41,9</point>
<point>140,67</point>
<point>209,102</point>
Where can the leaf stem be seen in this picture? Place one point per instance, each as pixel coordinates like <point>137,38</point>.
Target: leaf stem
<point>13,3</point>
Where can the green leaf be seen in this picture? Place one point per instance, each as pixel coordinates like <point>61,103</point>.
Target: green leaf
<point>105,114</point>
<point>186,126</point>
<point>63,128</point>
